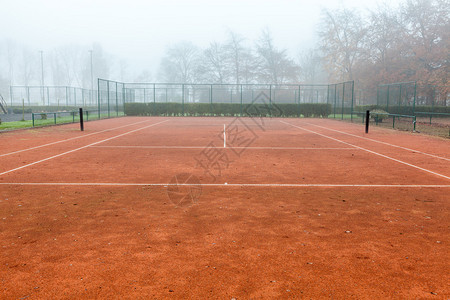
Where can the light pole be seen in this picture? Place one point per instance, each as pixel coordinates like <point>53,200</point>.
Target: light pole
<point>92,80</point>
<point>42,78</point>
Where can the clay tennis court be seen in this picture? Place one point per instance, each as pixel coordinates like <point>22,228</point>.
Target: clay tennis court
<point>158,207</point>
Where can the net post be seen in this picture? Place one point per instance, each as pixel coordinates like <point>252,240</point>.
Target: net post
<point>81,120</point>
<point>367,120</point>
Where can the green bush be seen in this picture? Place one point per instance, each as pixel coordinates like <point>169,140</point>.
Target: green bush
<point>43,116</point>
<point>379,115</point>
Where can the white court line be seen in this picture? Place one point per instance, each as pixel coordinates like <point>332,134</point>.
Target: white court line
<point>67,152</point>
<point>370,151</point>
<point>228,184</point>
<point>381,142</point>
<point>203,147</point>
<point>70,139</point>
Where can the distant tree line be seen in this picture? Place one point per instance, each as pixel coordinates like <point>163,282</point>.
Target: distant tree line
<point>231,61</point>
<point>389,44</point>
<point>67,65</point>
<point>408,43</point>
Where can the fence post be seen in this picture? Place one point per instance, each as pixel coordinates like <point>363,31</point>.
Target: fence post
<point>270,100</point>
<point>343,98</point>
<point>387,99</point>
<point>117,101</point>
<point>298,106</point>
<point>210,99</point>
<point>32,118</point>
<point>353,93</point>
<point>182,99</point>
<point>414,103</point>
<point>335,94</point>
<point>98,97</point>
<point>11,94</point>
<point>107,91</point>
<point>241,100</point>
<point>154,93</point>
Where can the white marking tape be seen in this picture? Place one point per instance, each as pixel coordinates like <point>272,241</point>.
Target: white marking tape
<point>70,139</point>
<point>229,184</point>
<point>70,151</point>
<point>381,142</point>
<point>370,151</point>
<point>202,147</point>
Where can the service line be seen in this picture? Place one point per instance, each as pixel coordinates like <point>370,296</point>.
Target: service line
<point>325,185</point>
<point>230,147</point>
<point>70,139</point>
<point>80,148</point>
<point>370,151</point>
<point>381,142</point>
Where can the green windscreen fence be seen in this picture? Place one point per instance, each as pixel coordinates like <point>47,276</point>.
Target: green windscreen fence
<point>411,98</point>
<point>178,99</point>
<point>111,95</point>
<point>54,96</point>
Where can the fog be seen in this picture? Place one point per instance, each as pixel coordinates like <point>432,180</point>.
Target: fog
<point>137,33</point>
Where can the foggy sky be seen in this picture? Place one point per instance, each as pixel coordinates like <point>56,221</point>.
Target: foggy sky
<point>140,31</point>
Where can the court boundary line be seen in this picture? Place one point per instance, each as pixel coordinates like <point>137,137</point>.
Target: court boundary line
<point>203,147</point>
<point>371,151</point>
<point>381,142</point>
<point>80,148</point>
<point>228,184</point>
<point>69,139</point>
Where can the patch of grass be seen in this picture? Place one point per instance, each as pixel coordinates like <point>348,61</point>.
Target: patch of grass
<point>38,122</point>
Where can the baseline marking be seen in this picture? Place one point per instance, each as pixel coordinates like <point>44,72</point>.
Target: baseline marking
<point>66,140</point>
<point>203,147</point>
<point>381,142</point>
<point>370,151</point>
<point>229,184</point>
<point>70,151</point>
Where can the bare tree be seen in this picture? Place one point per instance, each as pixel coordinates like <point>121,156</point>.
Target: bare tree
<point>28,66</point>
<point>342,37</point>
<point>213,64</point>
<point>179,63</point>
<point>274,65</point>
<point>236,51</point>
<point>311,66</point>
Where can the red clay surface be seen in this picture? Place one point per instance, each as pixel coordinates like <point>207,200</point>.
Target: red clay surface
<point>80,218</point>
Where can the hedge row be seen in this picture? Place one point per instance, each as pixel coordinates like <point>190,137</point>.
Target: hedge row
<point>227,109</point>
